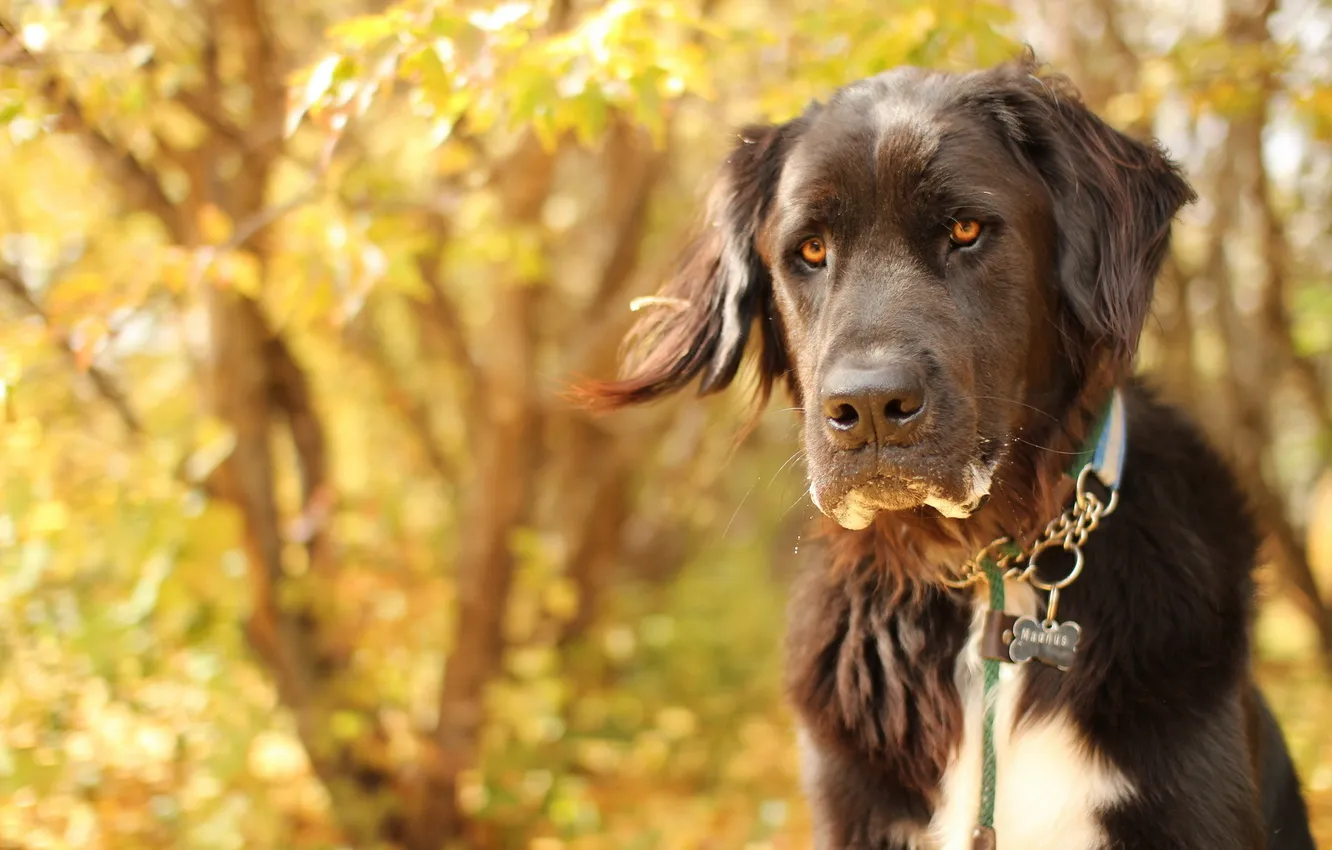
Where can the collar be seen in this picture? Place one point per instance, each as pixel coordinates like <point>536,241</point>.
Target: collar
<point>1101,459</point>
<point>1107,460</point>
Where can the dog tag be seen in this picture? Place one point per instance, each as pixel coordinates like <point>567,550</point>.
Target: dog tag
<point>1054,645</point>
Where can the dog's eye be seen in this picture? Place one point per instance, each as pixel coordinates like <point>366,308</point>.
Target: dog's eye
<point>965,232</point>
<point>814,251</point>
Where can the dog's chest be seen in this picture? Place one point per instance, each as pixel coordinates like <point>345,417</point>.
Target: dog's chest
<point>1050,788</point>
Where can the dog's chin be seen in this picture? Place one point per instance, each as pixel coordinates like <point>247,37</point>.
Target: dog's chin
<point>854,506</point>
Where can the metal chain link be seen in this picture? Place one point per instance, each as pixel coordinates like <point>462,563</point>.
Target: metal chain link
<point>1068,531</point>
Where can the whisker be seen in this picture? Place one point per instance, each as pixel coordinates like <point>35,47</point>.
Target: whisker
<point>739,506</point>
<point>780,469</point>
<point>803,494</point>
<point>1045,448</point>
<point>1014,401</point>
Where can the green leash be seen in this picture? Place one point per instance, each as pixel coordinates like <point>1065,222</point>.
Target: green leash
<point>994,574</point>
<point>1104,456</point>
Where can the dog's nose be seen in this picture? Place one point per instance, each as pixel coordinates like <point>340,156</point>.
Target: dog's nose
<point>882,403</point>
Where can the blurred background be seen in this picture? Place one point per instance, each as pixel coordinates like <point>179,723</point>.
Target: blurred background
<point>300,545</point>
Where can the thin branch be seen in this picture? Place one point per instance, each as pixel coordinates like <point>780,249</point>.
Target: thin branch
<point>627,214</point>
<point>252,226</point>
<point>289,391</point>
<point>1308,383</point>
<point>204,105</point>
<point>444,318</point>
<point>105,384</point>
<point>140,184</point>
<point>368,346</point>
<point>1275,309</point>
<point>263,75</point>
<point>604,478</point>
<point>198,104</point>
<point>248,228</point>
<point>1176,334</point>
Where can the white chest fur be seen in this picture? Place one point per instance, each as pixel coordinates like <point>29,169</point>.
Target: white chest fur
<point>1050,786</point>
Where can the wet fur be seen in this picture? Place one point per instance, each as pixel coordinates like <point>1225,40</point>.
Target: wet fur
<point>1162,687</point>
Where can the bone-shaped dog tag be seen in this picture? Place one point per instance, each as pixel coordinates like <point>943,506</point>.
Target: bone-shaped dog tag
<point>1055,645</point>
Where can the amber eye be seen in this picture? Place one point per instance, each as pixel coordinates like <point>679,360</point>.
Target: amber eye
<point>965,232</point>
<point>814,252</point>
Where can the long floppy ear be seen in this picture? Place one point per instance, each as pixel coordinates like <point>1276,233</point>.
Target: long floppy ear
<point>1114,201</point>
<point>698,325</point>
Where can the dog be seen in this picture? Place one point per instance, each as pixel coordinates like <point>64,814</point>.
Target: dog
<point>950,272</point>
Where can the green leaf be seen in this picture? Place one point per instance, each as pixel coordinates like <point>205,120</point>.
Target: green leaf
<point>589,115</point>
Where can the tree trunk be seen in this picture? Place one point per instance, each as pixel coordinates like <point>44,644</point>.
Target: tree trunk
<point>507,466</point>
<point>1266,336</point>
<point>255,385</point>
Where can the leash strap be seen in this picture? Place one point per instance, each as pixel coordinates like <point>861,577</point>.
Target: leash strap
<point>989,769</point>
<point>1105,455</point>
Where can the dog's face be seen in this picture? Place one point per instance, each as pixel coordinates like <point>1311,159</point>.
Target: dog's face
<point>912,255</point>
<point>932,259</point>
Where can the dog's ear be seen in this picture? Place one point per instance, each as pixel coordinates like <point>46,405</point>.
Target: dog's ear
<point>1114,201</point>
<point>699,324</point>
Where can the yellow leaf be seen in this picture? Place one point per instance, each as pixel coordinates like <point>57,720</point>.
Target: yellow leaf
<point>472,792</point>
<point>214,225</point>
<point>177,264</point>
<point>676,723</point>
<point>243,273</point>
<point>545,130</point>
<point>561,598</point>
<point>73,288</point>
<point>215,442</point>
<point>346,725</point>
<point>85,337</point>
<point>454,158</point>
<point>48,518</point>
<point>364,30</point>
<point>316,86</point>
<point>11,367</point>
<point>24,435</point>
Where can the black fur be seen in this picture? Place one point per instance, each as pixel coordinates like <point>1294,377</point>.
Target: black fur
<point>1157,686</point>
<point>1015,341</point>
<point>1284,812</point>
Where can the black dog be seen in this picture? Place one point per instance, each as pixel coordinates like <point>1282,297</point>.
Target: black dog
<point>951,273</point>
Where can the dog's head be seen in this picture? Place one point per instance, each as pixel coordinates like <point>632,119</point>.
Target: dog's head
<point>932,260</point>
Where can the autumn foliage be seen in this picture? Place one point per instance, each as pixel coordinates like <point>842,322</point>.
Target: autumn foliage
<point>302,544</point>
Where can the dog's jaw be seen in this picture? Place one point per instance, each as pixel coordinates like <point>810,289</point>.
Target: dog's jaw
<point>855,511</point>
<point>982,478</point>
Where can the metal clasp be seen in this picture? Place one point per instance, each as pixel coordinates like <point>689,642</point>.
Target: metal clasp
<point>973,572</point>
